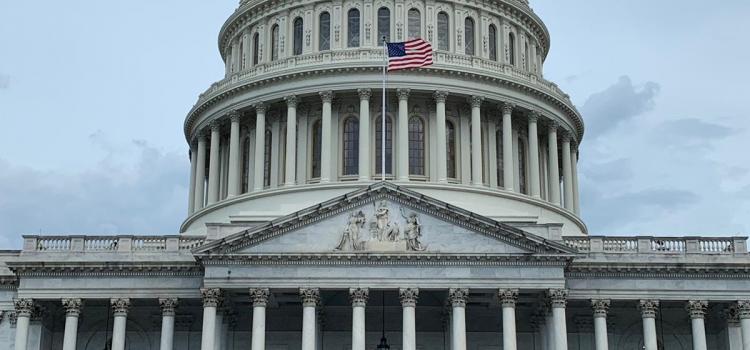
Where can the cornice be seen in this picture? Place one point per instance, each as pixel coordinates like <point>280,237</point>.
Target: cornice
<point>656,270</point>
<point>384,259</point>
<point>66,269</point>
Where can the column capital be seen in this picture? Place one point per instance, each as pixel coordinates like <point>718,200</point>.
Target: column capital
<point>533,116</point>
<point>326,96</point>
<point>120,306</point>
<point>359,296</point>
<point>732,313</point>
<point>408,296</point>
<point>201,136</point>
<point>72,306</point>
<point>508,297</point>
<point>697,308</point>
<point>403,94</point>
<point>648,308</point>
<point>476,101</point>
<point>507,108</point>
<point>743,307</point>
<point>168,306</point>
<point>458,296</point>
<point>440,96</point>
<point>553,126</point>
<point>600,307</point>
<point>259,296</point>
<point>364,94</point>
<point>260,108</point>
<point>310,296</point>
<point>215,125</point>
<point>291,101</point>
<point>565,136</point>
<point>24,307</point>
<point>558,297</point>
<point>234,116</point>
<point>211,297</point>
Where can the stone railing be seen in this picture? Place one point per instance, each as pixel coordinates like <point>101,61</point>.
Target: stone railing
<point>658,245</point>
<point>118,244</point>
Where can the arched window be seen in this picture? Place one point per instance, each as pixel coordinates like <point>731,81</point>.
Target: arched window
<point>256,42</point>
<point>388,146</point>
<point>522,166</point>
<point>414,28</point>
<point>493,42</point>
<point>350,152</point>
<point>353,32</point>
<point>443,29</point>
<point>274,42</point>
<point>416,146</point>
<point>267,159</point>
<point>242,54</point>
<point>469,36</point>
<point>324,31</point>
<point>317,135</point>
<point>499,156</point>
<point>245,165</point>
<point>384,25</point>
<point>297,48</point>
<point>512,48</point>
<point>450,148</point>
<point>526,56</point>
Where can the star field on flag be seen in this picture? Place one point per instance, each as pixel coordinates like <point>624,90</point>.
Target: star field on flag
<point>409,54</point>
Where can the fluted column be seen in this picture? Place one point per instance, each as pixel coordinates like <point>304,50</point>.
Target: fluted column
<point>558,301</point>
<point>402,146</point>
<point>325,143</point>
<point>200,173</point>
<point>213,164</point>
<point>648,315</point>
<point>72,308</point>
<point>193,168</point>
<point>600,307</point>
<point>743,308</point>
<point>476,140</point>
<point>260,146</point>
<point>697,310</point>
<point>458,298</point>
<point>233,179</point>
<point>359,297</point>
<point>168,306</point>
<point>408,297</point>
<point>567,172</point>
<point>120,308</point>
<point>364,134</point>
<point>508,181</point>
<point>442,146</point>
<point>291,141</point>
<point>508,299</point>
<point>211,299</point>
<point>310,299</point>
<point>534,155</point>
<point>574,166</point>
<point>24,307</point>
<point>259,297</point>
<point>554,170</point>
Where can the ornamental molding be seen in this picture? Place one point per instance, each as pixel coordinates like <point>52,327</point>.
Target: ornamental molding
<point>85,269</point>
<point>660,271</point>
<point>359,296</point>
<point>379,259</point>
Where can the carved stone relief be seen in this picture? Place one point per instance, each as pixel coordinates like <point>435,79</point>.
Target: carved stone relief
<point>385,233</point>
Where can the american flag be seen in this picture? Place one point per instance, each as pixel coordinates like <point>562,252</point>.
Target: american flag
<point>409,54</point>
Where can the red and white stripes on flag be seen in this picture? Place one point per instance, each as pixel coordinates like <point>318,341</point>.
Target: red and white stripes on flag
<point>409,54</point>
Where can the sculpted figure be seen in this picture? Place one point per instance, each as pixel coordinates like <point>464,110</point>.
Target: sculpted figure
<point>350,237</point>
<point>386,230</point>
<point>412,232</point>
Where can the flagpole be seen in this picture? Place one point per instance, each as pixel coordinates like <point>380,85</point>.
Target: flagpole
<point>382,113</point>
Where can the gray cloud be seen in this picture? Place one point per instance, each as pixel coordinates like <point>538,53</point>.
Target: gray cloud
<point>690,133</point>
<point>612,171</point>
<point>4,81</point>
<point>622,101</point>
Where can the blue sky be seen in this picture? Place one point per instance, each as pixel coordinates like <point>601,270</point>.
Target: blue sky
<point>93,95</point>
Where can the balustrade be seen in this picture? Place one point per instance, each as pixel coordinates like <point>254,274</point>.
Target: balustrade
<point>659,245</point>
<point>110,243</point>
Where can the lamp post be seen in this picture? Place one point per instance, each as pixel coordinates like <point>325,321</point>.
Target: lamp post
<point>383,341</point>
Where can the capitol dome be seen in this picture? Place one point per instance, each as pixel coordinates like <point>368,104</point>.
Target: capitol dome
<point>296,119</point>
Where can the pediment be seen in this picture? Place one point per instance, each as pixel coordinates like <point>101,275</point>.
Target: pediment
<point>384,218</point>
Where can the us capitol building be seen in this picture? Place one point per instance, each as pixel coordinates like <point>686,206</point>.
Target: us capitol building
<point>293,241</point>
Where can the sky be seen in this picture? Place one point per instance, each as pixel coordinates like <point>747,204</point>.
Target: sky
<point>93,95</point>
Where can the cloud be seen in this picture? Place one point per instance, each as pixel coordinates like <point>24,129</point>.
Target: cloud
<point>689,133</point>
<point>4,81</point>
<point>604,110</point>
<point>147,196</point>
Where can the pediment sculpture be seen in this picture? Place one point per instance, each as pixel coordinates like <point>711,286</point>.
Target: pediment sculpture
<point>384,232</point>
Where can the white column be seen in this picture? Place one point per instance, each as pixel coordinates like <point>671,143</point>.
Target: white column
<point>364,134</point>
<point>359,297</point>
<point>574,166</point>
<point>458,298</point>
<point>24,308</point>
<point>120,315</point>
<point>310,299</point>
<point>211,299</point>
<point>734,333</point>
<point>697,310</point>
<point>290,170</point>
<point>442,147</point>
<point>259,297</point>
<point>191,189</point>
<point>213,164</point>
<point>600,307</point>
<point>72,308</point>
<point>567,173</point>
<point>260,146</point>
<point>648,315</point>
<point>558,301</point>
<point>508,299</point>
<point>200,172</point>
<point>233,181</point>
<point>554,170</point>
<point>743,307</point>
<point>476,140</point>
<point>508,181</point>
<point>409,298</point>
<point>534,155</point>
<point>325,142</point>
<point>168,306</point>
<point>402,146</point>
